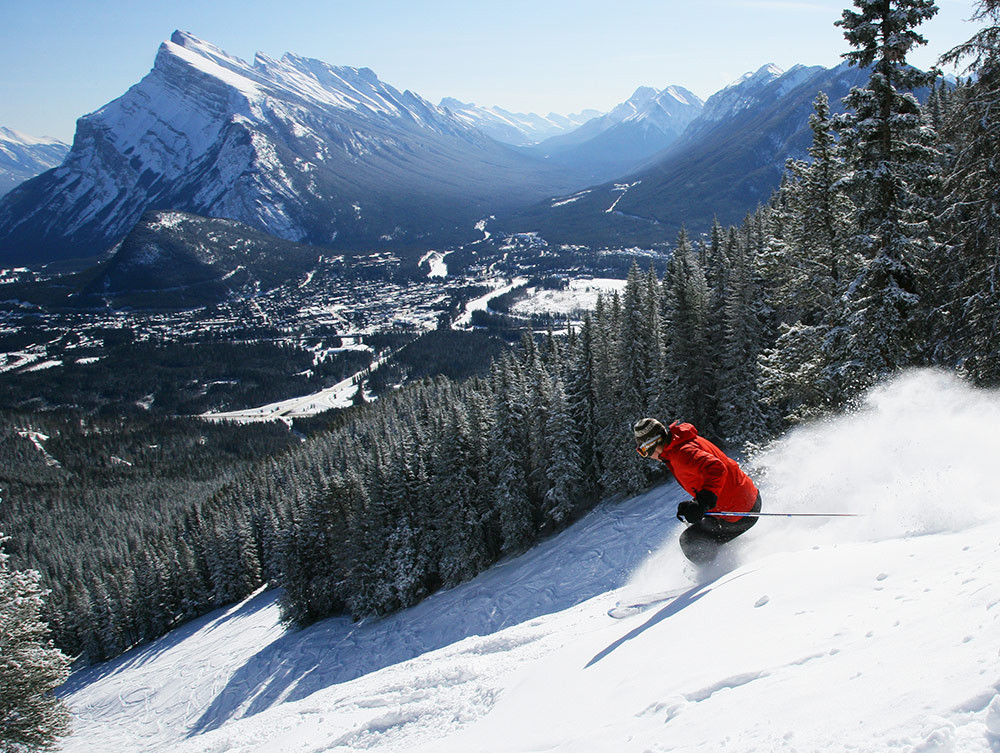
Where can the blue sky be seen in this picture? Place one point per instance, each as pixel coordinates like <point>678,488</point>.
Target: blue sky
<point>60,59</point>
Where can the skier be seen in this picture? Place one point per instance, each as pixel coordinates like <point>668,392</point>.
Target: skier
<point>705,472</point>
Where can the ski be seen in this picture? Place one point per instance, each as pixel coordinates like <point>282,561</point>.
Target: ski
<point>641,603</point>
<point>726,514</point>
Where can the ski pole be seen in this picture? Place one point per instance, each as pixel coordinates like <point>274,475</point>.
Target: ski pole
<point>722,514</point>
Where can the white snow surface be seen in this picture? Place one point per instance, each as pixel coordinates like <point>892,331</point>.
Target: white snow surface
<point>876,633</point>
<point>340,395</point>
<point>580,296</point>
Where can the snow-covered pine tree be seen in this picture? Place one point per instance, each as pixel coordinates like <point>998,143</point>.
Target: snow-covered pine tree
<point>716,267</point>
<point>31,716</point>
<point>636,346</point>
<point>809,275</point>
<point>741,418</point>
<point>482,427</point>
<point>157,608</point>
<point>563,466</point>
<point>654,397</point>
<point>581,398</point>
<point>621,470</point>
<point>689,357</point>
<point>893,159</point>
<point>824,220</point>
<point>510,457</point>
<point>968,319</point>
<point>106,623</point>
<point>463,545</point>
<point>539,389</point>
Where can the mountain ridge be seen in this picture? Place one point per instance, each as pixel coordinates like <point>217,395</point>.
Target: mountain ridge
<point>728,160</point>
<point>613,144</point>
<point>295,147</point>
<point>517,129</point>
<point>23,157</point>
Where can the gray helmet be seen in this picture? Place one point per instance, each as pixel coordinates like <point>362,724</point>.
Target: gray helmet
<point>648,433</point>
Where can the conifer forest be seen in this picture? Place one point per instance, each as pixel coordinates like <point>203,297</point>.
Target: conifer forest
<point>877,253</point>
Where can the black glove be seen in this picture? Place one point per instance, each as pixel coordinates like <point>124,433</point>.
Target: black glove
<point>693,510</point>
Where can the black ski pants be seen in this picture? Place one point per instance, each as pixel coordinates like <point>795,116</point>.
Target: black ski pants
<point>701,542</point>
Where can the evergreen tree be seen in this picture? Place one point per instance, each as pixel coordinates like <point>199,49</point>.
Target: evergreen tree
<point>636,346</point>
<point>809,276</point>
<point>967,314</point>
<point>562,463</point>
<point>654,397</point>
<point>893,160</point>
<point>690,359</point>
<point>464,550</point>
<point>741,419</point>
<point>31,668</point>
<point>582,404</point>
<point>825,214</point>
<point>510,459</point>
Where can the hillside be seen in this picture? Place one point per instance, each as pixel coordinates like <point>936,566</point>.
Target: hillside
<point>875,633</point>
<point>177,260</point>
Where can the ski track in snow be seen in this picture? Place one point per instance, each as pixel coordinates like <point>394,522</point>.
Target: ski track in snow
<point>878,633</point>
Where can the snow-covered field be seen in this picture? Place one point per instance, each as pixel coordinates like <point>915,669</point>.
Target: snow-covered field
<point>340,395</point>
<point>479,304</point>
<point>876,633</point>
<point>580,296</point>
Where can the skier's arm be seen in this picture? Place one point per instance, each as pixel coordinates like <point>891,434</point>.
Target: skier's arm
<point>710,468</point>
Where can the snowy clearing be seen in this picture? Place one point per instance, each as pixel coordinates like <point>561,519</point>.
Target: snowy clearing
<point>340,395</point>
<point>876,633</point>
<point>580,296</point>
<point>479,304</point>
<point>436,261</point>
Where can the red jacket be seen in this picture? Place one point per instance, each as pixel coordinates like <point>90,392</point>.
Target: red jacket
<point>698,464</point>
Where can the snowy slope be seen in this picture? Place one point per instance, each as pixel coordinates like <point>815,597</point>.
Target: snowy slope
<point>877,633</point>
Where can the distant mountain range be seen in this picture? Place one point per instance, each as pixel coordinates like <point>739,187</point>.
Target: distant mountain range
<point>327,156</point>
<point>23,157</point>
<point>618,142</point>
<point>516,128</point>
<point>728,159</point>
<point>295,148</point>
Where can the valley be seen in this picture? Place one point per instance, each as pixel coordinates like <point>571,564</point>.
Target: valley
<point>330,327</point>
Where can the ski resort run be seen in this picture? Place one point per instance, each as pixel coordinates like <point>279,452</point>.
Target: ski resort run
<point>876,633</point>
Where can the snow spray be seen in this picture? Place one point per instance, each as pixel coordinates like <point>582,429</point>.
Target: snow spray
<point>917,456</point>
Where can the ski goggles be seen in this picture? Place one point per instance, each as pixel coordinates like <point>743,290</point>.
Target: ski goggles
<point>647,447</point>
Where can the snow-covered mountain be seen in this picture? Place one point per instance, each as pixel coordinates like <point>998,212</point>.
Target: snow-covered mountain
<point>23,157</point>
<point>294,147</point>
<point>873,633</point>
<point>752,90</point>
<point>613,144</point>
<point>516,128</point>
<point>728,159</point>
